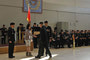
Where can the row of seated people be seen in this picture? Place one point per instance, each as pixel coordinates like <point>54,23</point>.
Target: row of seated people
<point>57,40</point>
<point>82,38</point>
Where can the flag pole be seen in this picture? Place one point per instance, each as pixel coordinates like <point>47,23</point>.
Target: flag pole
<point>28,6</point>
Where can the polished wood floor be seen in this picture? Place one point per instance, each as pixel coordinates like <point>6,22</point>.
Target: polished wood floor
<point>80,53</point>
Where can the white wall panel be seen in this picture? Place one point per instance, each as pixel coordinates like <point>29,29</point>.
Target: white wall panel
<point>83,22</point>
<point>67,17</point>
<point>50,16</point>
<point>12,14</point>
<point>53,10</point>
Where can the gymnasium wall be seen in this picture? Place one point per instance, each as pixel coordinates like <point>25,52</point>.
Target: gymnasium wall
<point>11,11</point>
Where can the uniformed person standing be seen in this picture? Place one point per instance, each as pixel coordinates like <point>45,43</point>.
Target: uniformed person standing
<point>34,29</point>
<point>49,32</point>
<point>19,31</point>
<point>43,42</point>
<point>11,40</point>
<point>22,31</point>
<point>4,33</point>
<point>48,29</point>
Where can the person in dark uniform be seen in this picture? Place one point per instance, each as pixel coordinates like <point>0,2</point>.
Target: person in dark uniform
<point>11,40</point>
<point>49,33</point>
<point>28,24</point>
<point>82,37</point>
<point>54,40</point>
<point>43,42</point>
<point>34,29</point>
<point>48,29</point>
<point>67,39</point>
<point>80,41</point>
<point>55,29</point>
<point>62,41</point>
<point>77,38</point>
<point>22,31</point>
<point>4,33</point>
<point>19,31</point>
<point>58,41</point>
<point>23,28</point>
<point>86,37</point>
<point>71,36</point>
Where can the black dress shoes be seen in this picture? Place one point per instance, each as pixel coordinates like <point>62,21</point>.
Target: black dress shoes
<point>50,56</point>
<point>37,57</point>
<point>12,57</point>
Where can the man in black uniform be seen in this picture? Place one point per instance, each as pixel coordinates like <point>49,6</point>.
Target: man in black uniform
<point>43,42</point>
<point>62,41</point>
<point>49,33</point>
<point>11,39</point>
<point>80,40</point>
<point>67,39</point>
<point>77,38</point>
<point>48,29</point>
<point>88,37</point>
<point>19,31</point>
<point>55,29</point>
<point>54,39</point>
<point>82,37</point>
<point>71,36</point>
<point>4,32</point>
<point>34,29</point>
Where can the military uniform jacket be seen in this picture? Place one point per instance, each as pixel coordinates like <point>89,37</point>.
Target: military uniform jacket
<point>88,35</point>
<point>11,34</point>
<point>48,32</point>
<point>35,29</point>
<point>3,31</point>
<point>82,35</point>
<point>67,37</point>
<point>77,35</point>
<point>55,36</point>
<point>62,37</point>
<point>43,36</point>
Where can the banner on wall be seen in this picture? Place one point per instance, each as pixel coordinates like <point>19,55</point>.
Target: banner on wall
<point>35,6</point>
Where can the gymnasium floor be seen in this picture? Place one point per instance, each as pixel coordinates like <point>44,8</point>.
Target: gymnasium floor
<point>80,53</point>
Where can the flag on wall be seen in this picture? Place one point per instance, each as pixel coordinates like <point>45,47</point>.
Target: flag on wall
<point>29,16</point>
